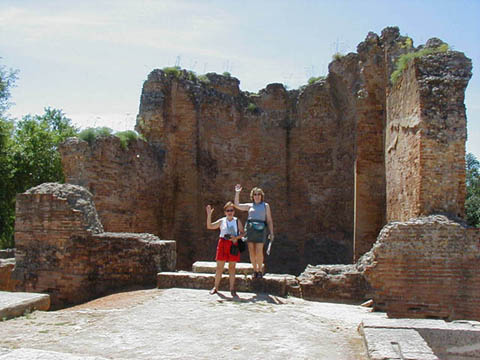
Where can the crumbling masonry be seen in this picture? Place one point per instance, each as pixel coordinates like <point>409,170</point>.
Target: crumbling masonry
<point>339,160</point>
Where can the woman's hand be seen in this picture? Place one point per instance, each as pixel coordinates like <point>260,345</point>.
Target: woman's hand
<point>209,210</point>
<point>269,249</point>
<point>238,188</point>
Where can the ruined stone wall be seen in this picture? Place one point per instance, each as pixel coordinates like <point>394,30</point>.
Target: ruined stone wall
<point>335,283</point>
<point>425,138</point>
<point>126,182</point>
<point>296,145</point>
<point>425,267</point>
<point>61,248</point>
<point>337,158</point>
<point>369,96</point>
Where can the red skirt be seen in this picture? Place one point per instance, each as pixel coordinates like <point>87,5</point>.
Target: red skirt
<point>223,251</point>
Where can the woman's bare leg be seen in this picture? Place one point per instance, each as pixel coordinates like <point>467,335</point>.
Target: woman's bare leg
<point>231,272</point>
<point>259,256</point>
<point>218,273</point>
<point>252,254</point>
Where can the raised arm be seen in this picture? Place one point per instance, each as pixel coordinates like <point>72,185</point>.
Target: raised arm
<point>210,225</point>
<point>243,207</point>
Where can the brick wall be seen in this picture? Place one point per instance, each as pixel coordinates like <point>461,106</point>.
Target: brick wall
<point>296,145</point>
<point>7,283</point>
<point>61,248</point>
<point>337,283</point>
<point>425,138</point>
<point>337,158</point>
<point>125,183</point>
<point>425,267</point>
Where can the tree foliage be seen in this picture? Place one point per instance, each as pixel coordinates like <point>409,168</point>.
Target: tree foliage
<point>7,213</point>
<point>7,81</point>
<point>35,157</point>
<point>29,157</point>
<point>472,202</point>
<point>28,153</point>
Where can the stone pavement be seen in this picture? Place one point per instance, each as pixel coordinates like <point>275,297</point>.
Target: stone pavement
<point>13,304</point>
<point>189,324</point>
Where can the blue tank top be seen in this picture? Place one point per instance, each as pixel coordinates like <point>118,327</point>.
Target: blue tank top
<point>257,212</point>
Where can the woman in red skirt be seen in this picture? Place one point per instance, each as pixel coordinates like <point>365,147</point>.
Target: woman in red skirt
<point>231,231</point>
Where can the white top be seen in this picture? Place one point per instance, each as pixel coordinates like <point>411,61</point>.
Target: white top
<point>228,227</point>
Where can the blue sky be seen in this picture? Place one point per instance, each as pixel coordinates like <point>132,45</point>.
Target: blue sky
<point>90,58</point>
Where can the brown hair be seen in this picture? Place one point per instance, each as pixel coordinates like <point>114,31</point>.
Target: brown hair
<point>227,205</point>
<point>256,190</point>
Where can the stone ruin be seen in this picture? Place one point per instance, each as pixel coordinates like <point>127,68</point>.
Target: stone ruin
<point>62,250</point>
<point>356,168</point>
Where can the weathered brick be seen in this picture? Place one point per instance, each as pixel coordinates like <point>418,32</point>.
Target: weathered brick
<point>81,262</point>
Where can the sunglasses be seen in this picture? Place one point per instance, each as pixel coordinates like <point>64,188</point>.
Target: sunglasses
<point>257,194</point>
<point>229,210</point>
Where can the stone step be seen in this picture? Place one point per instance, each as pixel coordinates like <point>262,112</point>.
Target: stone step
<point>275,284</point>
<point>210,267</point>
<point>13,304</point>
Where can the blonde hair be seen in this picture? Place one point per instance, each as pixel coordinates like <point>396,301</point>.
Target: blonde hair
<point>227,205</point>
<point>257,190</point>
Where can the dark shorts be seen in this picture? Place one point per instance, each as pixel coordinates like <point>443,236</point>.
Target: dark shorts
<point>223,251</point>
<point>255,236</point>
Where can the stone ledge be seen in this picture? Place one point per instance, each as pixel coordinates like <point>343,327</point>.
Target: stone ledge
<point>13,304</point>
<point>343,283</point>
<point>210,267</point>
<point>7,253</point>
<point>396,344</point>
<point>271,283</point>
<point>447,340</point>
<point>32,354</point>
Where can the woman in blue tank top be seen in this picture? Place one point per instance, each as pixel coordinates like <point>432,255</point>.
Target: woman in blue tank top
<point>259,218</point>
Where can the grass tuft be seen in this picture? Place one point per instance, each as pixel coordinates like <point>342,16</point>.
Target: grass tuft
<point>337,56</point>
<point>403,60</point>
<point>314,79</point>
<point>252,107</point>
<point>91,134</point>
<point>126,137</point>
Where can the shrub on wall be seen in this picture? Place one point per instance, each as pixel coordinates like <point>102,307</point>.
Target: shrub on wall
<point>314,79</point>
<point>403,60</point>
<point>90,135</point>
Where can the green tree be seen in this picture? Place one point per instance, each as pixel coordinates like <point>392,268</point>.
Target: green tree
<point>31,158</point>
<point>472,202</point>
<point>35,157</point>
<point>7,208</point>
<point>7,81</point>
